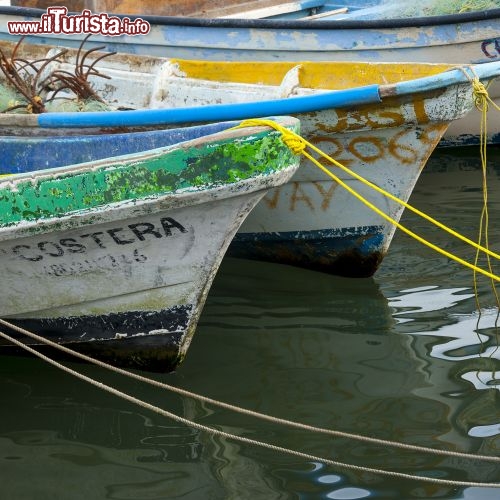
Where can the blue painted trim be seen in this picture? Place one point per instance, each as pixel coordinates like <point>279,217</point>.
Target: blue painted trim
<point>348,251</point>
<point>218,112</point>
<point>339,238</point>
<point>468,72</point>
<point>22,154</point>
<point>287,106</point>
<point>467,140</point>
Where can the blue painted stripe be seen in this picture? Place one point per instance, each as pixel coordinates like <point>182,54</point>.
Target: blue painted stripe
<point>287,106</point>
<point>366,239</point>
<point>166,22</point>
<point>29,153</point>
<point>353,252</point>
<point>218,112</point>
<point>451,77</point>
<point>467,140</point>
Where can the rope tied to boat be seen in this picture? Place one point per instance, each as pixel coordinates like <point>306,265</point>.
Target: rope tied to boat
<point>482,101</point>
<point>295,142</point>
<point>298,139</point>
<point>480,93</point>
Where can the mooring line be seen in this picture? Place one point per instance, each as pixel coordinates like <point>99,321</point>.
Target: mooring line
<point>215,432</point>
<point>298,145</point>
<point>482,102</point>
<point>244,411</point>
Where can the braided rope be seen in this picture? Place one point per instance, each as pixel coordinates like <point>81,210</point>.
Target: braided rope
<point>233,437</point>
<point>244,411</point>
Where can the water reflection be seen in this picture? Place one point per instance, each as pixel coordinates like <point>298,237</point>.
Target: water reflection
<point>465,347</point>
<point>339,361</point>
<point>426,299</point>
<point>457,343</point>
<point>463,340</point>
<point>60,439</point>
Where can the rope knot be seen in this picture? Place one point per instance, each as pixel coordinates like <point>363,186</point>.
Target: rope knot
<point>480,94</point>
<point>292,140</point>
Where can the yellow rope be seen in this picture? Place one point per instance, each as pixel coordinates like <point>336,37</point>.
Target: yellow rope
<point>298,145</point>
<point>482,101</point>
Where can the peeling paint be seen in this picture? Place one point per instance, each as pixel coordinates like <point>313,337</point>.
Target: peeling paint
<point>387,143</point>
<point>121,269</point>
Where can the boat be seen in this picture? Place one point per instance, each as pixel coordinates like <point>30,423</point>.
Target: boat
<point>384,132</point>
<point>114,257</point>
<point>467,37</point>
<point>219,30</point>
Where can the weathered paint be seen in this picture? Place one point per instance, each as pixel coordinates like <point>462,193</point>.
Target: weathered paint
<point>137,177</point>
<point>131,243</point>
<point>217,39</point>
<point>387,142</point>
<point>340,75</point>
<point>351,252</point>
<point>26,153</point>
<point>116,336</point>
<point>461,39</point>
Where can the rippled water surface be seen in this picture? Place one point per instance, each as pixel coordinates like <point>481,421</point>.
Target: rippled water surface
<point>405,356</point>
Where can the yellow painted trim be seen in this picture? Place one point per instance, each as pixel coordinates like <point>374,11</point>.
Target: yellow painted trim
<point>321,75</point>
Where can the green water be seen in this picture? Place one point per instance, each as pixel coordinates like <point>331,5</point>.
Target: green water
<point>400,357</point>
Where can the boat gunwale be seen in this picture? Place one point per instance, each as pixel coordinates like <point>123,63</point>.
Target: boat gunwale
<point>163,200</point>
<point>368,94</point>
<point>417,22</point>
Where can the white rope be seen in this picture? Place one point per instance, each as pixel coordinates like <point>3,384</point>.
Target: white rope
<point>261,444</point>
<point>244,411</point>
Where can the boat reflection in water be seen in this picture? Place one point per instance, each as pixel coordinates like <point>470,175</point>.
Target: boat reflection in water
<point>329,352</point>
<point>457,343</point>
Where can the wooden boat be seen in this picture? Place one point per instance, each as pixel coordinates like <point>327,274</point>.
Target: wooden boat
<point>115,257</point>
<point>468,37</point>
<point>208,30</point>
<point>384,132</point>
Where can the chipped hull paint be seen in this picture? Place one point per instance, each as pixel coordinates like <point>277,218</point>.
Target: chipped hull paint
<point>325,225</point>
<point>351,252</point>
<point>155,341</point>
<point>468,38</point>
<point>144,293</point>
<point>118,265</point>
<point>387,142</point>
